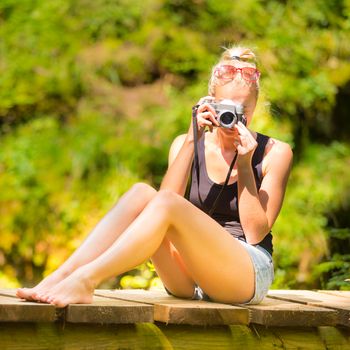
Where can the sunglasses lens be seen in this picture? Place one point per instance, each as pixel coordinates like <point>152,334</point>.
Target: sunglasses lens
<point>225,72</point>
<point>250,73</point>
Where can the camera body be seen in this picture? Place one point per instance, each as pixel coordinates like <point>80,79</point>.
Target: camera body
<point>228,113</point>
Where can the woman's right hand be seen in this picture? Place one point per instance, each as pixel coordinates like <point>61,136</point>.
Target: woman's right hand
<point>206,116</point>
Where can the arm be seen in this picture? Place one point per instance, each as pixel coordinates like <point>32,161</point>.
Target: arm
<point>180,160</point>
<point>182,150</point>
<point>258,210</point>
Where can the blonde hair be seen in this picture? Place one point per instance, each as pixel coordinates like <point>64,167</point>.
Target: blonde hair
<point>231,56</point>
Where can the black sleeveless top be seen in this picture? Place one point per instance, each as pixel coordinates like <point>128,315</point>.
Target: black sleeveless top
<point>226,211</point>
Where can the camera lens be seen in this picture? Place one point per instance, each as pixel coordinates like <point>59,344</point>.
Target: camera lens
<point>226,119</point>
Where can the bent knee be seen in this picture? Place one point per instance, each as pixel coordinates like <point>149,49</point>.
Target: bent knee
<point>144,190</point>
<point>166,199</point>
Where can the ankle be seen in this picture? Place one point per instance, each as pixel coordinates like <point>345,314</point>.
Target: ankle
<point>66,270</point>
<point>88,277</point>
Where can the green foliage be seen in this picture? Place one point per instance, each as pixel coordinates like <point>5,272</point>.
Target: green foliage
<point>93,92</point>
<point>52,178</point>
<point>318,186</point>
<point>333,273</point>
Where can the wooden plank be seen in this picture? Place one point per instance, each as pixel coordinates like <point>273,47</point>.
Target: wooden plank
<point>274,312</point>
<point>102,310</point>
<point>10,292</point>
<point>340,304</point>
<point>16,310</point>
<point>270,312</point>
<point>339,293</point>
<point>287,308</point>
<point>173,310</point>
<point>109,311</point>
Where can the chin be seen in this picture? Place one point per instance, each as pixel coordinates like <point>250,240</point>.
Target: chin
<point>227,131</point>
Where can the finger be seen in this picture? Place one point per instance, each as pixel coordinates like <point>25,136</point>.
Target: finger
<point>216,122</point>
<point>244,143</point>
<point>209,116</point>
<point>206,107</point>
<point>213,119</point>
<point>242,130</point>
<point>239,147</point>
<point>247,141</point>
<point>204,122</point>
<point>205,115</point>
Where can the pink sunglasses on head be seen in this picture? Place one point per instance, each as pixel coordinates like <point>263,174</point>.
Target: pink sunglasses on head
<point>228,72</point>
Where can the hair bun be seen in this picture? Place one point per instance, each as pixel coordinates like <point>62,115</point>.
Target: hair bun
<point>239,53</point>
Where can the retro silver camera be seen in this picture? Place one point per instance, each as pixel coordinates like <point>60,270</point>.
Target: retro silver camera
<point>228,113</point>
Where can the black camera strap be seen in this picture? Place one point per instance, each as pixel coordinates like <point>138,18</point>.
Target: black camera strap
<point>195,140</point>
<point>196,161</point>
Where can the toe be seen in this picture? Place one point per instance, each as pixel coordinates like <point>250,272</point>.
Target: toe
<point>24,293</point>
<point>59,303</point>
<point>45,298</point>
<point>36,295</point>
<point>19,292</point>
<point>40,297</point>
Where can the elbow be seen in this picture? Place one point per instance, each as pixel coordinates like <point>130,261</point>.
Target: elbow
<point>255,235</point>
<point>178,189</point>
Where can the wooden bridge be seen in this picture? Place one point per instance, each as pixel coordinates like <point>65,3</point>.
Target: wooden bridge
<point>139,319</point>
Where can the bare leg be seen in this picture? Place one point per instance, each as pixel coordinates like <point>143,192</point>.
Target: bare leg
<point>172,270</point>
<point>101,238</point>
<point>216,260</point>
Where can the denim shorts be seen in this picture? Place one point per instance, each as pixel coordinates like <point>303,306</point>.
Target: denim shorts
<point>264,274</point>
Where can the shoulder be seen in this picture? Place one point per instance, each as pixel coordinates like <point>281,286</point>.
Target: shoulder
<point>176,146</point>
<point>277,147</point>
<point>177,142</point>
<point>277,153</point>
<point>179,139</point>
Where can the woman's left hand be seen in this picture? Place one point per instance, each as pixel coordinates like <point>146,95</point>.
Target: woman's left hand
<point>245,142</point>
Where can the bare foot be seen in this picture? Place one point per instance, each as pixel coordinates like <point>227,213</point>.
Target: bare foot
<point>44,286</point>
<point>77,288</point>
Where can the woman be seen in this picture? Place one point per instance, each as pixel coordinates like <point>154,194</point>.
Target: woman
<point>225,257</point>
